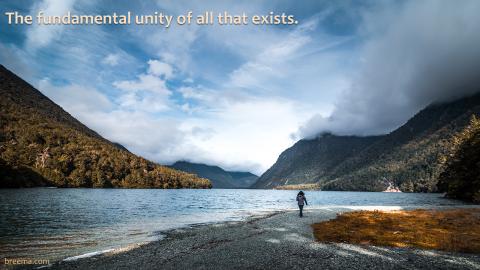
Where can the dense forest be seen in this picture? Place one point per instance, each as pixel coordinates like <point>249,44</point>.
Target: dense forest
<point>411,157</point>
<point>461,177</point>
<point>42,145</point>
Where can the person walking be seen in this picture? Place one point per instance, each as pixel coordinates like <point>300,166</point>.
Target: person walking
<point>302,200</point>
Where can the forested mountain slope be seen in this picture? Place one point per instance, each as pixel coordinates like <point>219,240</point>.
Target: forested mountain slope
<point>42,145</point>
<point>461,177</point>
<point>411,157</point>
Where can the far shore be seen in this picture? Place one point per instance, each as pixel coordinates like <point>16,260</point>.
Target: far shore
<point>279,240</point>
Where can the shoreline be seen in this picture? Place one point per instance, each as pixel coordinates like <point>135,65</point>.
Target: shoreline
<point>279,237</point>
<point>105,226</point>
<point>165,234</point>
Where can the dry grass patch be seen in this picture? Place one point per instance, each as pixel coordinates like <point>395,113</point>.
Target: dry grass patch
<point>450,230</point>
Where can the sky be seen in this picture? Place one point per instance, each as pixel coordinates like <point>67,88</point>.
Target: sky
<point>237,96</point>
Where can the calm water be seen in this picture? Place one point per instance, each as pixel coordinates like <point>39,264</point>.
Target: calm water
<point>57,223</point>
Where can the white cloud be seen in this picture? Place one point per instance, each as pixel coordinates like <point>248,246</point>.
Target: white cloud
<point>77,99</point>
<point>237,124</point>
<point>221,95</point>
<point>111,59</point>
<point>160,69</point>
<point>144,82</point>
<point>149,91</point>
<point>41,35</point>
<point>160,139</point>
<point>424,51</point>
<point>146,102</point>
<point>173,45</point>
<point>300,65</point>
<point>247,135</point>
<point>198,94</point>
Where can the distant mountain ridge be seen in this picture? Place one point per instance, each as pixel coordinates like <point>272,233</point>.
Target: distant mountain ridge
<point>219,177</point>
<point>411,157</point>
<point>43,145</point>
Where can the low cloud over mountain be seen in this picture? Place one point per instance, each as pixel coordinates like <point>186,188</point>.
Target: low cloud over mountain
<point>427,52</point>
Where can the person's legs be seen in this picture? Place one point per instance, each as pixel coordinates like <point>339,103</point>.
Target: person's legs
<point>301,210</point>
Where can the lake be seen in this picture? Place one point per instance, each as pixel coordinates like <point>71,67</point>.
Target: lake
<point>52,223</point>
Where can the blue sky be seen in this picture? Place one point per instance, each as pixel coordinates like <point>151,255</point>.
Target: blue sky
<point>236,96</point>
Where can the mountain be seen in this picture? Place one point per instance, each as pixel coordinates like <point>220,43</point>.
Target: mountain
<point>219,177</point>
<point>309,160</point>
<point>43,145</point>
<point>243,179</point>
<point>411,157</point>
<point>461,177</point>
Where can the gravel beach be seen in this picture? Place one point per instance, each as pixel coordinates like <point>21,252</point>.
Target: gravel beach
<point>277,241</point>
